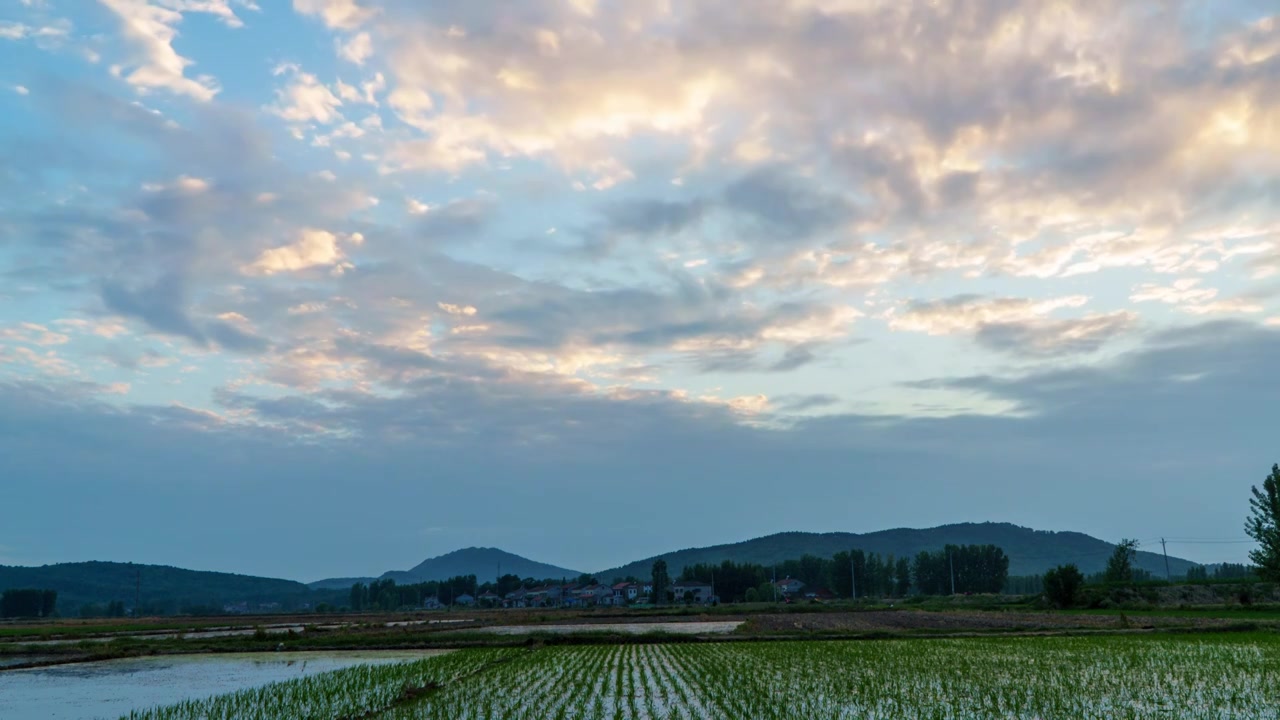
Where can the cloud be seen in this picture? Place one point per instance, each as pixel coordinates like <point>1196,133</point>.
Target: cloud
<point>10,30</point>
<point>1020,326</point>
<point>337,14</point>
<point>738,218</point>
<point>162,308</point>
<point>786,206</point>
<point>305,99</point>
<point>160,305</point>
<point>150,29</point>
<point>1185,291</point>
<point>654,216</point>
<point>33,334</point>
<point>559,441</point>
<point>358,49</point>
<point>1189,297</point>
<point>313,248</point>
<point>969,313</point>
<point>1050,338</point>
<point>464,310</point>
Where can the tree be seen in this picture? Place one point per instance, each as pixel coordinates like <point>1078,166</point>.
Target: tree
<point>661,581</point>
<point>1233,571</point>
<point>1263,526</point>
<point>1062,585</point>
<point>752,595</point>
<point>969,568</point>
<point>1120,565</point>
<point>27,602</point>
<point>359,593</point>
<point>767,592</point>
<point>902,579</point>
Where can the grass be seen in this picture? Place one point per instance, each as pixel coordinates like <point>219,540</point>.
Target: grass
<point>1133,678</point>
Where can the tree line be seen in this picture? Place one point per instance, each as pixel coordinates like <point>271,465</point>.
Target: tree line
<point>28,603</point>
<point>388,595</point>
<point>858,574</point>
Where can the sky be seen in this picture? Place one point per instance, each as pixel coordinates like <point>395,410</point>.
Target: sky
<point>325,287</point>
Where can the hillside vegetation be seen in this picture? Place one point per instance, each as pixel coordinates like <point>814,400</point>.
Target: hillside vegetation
<point>1030,552</point>
<point>164,590</point>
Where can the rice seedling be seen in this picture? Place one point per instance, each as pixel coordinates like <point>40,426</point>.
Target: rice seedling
<point>1133,678</point>
<point>350,692</point>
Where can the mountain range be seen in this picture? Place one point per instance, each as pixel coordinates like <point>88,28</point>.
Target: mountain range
<point>169,589</point>
<point>484,563</point>
<point>162,589</point>
<point>1031,552</point>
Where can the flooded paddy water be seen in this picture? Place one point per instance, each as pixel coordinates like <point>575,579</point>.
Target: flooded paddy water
<point>109,689</point>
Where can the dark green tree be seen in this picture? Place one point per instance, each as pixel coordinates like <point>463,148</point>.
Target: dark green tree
<point>767,592</point>
<point>859,586</point>
<point>1120,564</point>
<point>359,592</point>
<point>661,581</point>
<point>1263,526</point>
<point>841,579</point>
<point>27,602</point>
<point>875,573</point>
<point>902,577</point>
<point>1062,585</point>
<point>1233,571</point>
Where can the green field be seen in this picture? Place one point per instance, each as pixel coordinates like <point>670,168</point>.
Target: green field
<point>1194,676</point>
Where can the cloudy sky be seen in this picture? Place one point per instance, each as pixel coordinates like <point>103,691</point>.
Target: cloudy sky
<point>324,287</point>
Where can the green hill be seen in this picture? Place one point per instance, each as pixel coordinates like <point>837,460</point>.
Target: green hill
<point>484,563</point>
<point>163,589</point>
<point>1031,552</point>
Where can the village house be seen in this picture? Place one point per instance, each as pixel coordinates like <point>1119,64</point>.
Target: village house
<point>631,592</point>
<point>692,591</point>
<point>593,595</point>
<point>788,586</point>
<point>625,592</point>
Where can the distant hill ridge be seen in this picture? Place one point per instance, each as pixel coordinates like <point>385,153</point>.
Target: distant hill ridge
<point>485,563</point>
<point>161,587</point>
<point>1031,552</point>
<point>171,589</point>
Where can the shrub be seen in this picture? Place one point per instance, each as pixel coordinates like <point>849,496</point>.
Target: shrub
<point>1062,585</point>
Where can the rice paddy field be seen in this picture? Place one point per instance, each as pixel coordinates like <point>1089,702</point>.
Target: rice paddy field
<point>1199,677</point>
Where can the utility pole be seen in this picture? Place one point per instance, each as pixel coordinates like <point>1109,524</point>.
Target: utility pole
<point>952,560</point>
<point>137,595</point>
<point>853,578</point>
<point>1167,575</point>
<point>774,584</point>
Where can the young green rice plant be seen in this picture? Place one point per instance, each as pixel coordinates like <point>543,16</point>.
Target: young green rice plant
<point>350,692</point>
<point>1127,677</point>
<point>1113,677</point>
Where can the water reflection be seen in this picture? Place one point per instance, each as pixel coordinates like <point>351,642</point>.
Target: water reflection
<point>88,691</point>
